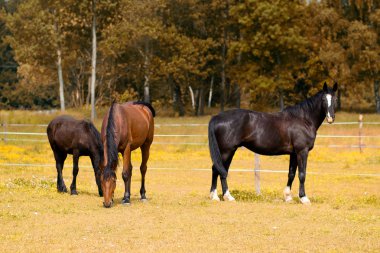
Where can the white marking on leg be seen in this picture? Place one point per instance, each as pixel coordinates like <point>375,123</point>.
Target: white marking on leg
<point>228,197</point>
<point>305,200</point>
<point>288,194</point>
<point>214,195</point>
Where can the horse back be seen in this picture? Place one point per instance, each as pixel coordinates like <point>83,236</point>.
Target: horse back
<point>134,125</point>
<point>66,134</point>
<point>263,133</point>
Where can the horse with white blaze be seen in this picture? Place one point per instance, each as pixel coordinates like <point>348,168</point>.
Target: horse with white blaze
<point>289,132</point>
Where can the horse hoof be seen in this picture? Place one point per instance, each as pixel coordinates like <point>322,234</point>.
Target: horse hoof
<point>214,196</point>
<point>144,200</point>
<point>126,202</point>
<point>228,197</point>
<point>62,189</point>
<point>74,192</point>
<point>305,200</point>
<point>288,195</point>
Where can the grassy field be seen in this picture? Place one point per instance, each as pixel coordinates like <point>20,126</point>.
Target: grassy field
<point>342,183</point>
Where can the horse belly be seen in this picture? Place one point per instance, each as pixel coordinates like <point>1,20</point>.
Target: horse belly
<point>270,150</point>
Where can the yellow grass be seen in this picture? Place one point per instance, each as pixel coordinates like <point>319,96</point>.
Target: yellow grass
<point>344,216</point>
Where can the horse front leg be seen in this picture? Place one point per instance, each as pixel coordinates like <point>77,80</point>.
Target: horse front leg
<point>127,175</point>
<point>143,168</point>
<point>95,160</point>
<point>73,186</point>
<point>302,162</point>
<point>59,162</point>
<point>291,175</point>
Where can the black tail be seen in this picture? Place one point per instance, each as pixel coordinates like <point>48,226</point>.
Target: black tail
<point>216,157</point>
<point>112,153</point>
<point>97,139</point>
<point>147,105</point>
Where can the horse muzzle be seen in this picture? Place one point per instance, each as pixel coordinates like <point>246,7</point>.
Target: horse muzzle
<point>108,205</point>
<point>330,120</point>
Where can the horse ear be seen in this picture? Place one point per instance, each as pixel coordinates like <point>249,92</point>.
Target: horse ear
<point>335,88</point>
<point>325,87</point>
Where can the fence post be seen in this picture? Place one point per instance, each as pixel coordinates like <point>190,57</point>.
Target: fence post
<point>257,174</point>
<point>360,132</point>
<point>4,124</point>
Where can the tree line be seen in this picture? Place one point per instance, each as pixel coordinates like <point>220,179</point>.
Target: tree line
<point>188,54</point>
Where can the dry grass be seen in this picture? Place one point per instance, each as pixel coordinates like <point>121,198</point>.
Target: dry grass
<point>344,216</point>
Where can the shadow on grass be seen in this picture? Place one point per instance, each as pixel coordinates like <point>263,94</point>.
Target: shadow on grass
<point>268,196</point>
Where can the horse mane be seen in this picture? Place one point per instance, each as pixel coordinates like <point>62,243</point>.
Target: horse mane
<point>147,105</point>
<point>305,107</point>
<point>98,141</point>
<point>112,152</point>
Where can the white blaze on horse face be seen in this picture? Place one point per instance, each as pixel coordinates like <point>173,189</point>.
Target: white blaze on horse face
<point>328,97</point>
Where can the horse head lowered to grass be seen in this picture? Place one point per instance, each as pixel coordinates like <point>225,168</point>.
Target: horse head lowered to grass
<point>125,128</point>
<point>289,132</point>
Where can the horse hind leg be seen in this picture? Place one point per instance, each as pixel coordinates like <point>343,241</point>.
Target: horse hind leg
<point>59,162</point>
<point>292,172</point>
<point>143,168</point>
<point>214,181</point>
<point>227,159</point>
<point>73,186</point>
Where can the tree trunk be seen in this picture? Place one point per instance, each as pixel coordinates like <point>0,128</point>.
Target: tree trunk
<point>210,94</point>
<point>223,72</point>
<point>200,107</point>
<point>60,78</point>
<point>192,97</point>
<point>376,86</point>
<point>146,75</point>
<point>177,102</point>
<point>59,63</point>
<point>93,62</point>
<point>88,91</point>
<point>339,102</point>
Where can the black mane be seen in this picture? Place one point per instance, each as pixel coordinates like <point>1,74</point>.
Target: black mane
<point>306,107</point>
<point>112,152</point>
<point>98,141</point>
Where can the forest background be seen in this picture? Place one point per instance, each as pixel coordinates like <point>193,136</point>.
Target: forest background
<point>187,55</point>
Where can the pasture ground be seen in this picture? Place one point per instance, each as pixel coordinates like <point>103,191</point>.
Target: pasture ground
<point>179,217</point>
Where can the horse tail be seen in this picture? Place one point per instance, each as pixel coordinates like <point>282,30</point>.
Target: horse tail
<point>112,152</point>
<point>147,105</point>
<point>216,157</point>
<point>97,139</point>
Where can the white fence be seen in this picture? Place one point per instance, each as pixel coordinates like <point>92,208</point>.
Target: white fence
<point>5,136</point>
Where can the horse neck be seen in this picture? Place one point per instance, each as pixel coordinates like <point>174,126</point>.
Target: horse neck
<point>310,110</point>
<point>314,111</point>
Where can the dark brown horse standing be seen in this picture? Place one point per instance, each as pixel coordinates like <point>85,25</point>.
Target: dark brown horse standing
<point>290,132</point>
<point>125,128</point>
<point>79,138</point>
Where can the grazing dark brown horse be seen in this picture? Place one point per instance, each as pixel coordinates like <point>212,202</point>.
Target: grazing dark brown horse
<point>79,138</point>
<point>125,128</point>
<point>290,132</point>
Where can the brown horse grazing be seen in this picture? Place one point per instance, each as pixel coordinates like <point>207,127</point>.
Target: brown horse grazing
<point>125,128</point>
<point>79,138</point>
